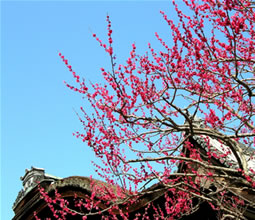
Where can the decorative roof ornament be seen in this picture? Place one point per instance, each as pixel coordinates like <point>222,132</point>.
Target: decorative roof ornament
<point>198,122</point>
<point>32,177</point>
<point>30,180</point>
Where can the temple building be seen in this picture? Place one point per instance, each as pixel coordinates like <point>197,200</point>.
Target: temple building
<point>30,202</point>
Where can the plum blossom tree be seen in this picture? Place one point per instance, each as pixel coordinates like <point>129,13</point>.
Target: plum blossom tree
<point>153,111</point>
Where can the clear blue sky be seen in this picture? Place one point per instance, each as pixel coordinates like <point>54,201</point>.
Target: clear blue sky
<point>37,115</point>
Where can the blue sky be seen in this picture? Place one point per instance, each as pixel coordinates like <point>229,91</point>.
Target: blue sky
<point>37,113</point>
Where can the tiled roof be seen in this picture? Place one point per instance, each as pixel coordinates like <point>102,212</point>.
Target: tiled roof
<point>215,146</point>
